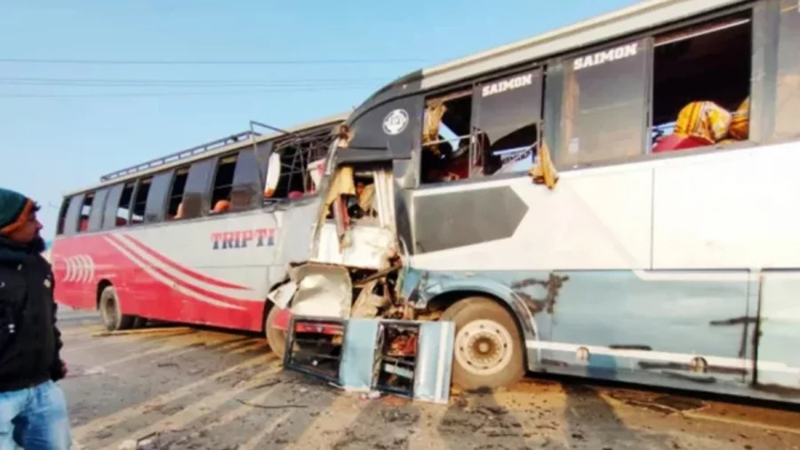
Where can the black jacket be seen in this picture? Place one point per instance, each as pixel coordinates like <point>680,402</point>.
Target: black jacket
<point>30,343</point>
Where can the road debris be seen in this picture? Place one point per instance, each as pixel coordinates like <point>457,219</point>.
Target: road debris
<point>407,358</point>
<point>256,405</point>
<point>145,331</point>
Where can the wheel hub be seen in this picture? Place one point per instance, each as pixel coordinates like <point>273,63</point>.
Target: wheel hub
<point>483,347</point>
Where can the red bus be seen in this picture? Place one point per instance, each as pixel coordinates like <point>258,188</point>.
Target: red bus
<point>200,236</point>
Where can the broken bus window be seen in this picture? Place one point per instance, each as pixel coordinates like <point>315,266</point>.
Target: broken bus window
<point>507,122</point>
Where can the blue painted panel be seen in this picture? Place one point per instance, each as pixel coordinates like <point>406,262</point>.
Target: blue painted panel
<point>355,372</point>
<point>779,343</point>
<point>434,364</point>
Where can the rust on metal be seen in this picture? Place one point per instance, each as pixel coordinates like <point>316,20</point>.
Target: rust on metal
<point>552,286</point>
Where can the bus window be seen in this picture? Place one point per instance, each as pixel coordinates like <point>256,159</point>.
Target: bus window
<point>155,209</point>
<point>787,109</point>
<point>604,105</point>
<point>140,201</point>
<point>73,214</point>
<point>195,196</point>
<point>446,138</point>
<point>174,206</point>
<point>62,215</point>
<point>292,163</point>
<point>112,206</point>
<point>246,189</point>
<point>123,209</point>
<point>223,182</point>
<point>86,209</point>
<point>701,85</point>
<point>507,117</point>
<point>96,216</point>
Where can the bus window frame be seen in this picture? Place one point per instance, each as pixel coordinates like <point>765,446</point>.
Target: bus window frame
<point>472,85</point>
<point>155,205</point>
<point>175,170</point>
<point>539,73</point>
<point>96,215</point>
<point>110,214</point>
<point>209,199</point>
<point>72,219</point>
<point>651,34</point>
<point>274,203</point>
<point>62,215</point>
<point>245,170</point>
<point>205,192</point>
<point>137,186</point>
<point>774,133</point>
<point>551,119</point>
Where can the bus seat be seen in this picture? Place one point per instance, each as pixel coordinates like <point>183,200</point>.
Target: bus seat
<point>675,142</point>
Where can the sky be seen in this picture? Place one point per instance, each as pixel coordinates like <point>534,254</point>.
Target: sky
<point>63,124</point>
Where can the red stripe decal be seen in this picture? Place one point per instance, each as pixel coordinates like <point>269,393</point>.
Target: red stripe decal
<point>183,270</point>
<point>195,289</point>
<point>187,286</point>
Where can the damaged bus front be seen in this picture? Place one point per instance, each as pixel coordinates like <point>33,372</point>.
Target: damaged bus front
<point>379,212</point>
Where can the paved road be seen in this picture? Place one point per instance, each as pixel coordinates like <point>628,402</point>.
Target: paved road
<point>182,388</point>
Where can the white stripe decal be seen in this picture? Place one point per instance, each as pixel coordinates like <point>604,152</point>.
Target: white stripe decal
<point>677,275</point>
<point>680,358</point>
<point>68,269</point>
<point>141,264</point>
<point>125,241</point>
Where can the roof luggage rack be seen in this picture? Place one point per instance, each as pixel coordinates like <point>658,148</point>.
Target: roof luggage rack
<point>188,153</point>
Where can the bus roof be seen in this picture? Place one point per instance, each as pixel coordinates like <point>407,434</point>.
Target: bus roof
<point>626,21</point>
<point>197,153</point>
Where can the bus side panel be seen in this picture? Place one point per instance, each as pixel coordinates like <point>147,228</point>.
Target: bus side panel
<point>593,221</point>
<point>293,238</point>
<point>728,210</point>
<point>209,271</point>
<point>779,342</point>
<point>633,326</point>
<point>676,329</point>
<point>80,263</point>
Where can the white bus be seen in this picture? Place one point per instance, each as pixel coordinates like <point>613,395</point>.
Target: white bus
<point>667,253</point>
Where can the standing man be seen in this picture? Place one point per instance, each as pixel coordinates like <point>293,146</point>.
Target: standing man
<point>33,411</point>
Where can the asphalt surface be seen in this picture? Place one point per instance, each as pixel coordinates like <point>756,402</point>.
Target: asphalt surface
<point>191,388</point>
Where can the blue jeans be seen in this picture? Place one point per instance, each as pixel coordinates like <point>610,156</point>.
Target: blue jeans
<point>34,419</point>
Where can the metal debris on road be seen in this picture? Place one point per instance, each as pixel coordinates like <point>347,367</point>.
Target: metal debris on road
<point>408,358</point>
<point>185,330</point>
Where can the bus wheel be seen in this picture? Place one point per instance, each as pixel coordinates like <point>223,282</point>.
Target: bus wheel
<point>487,352</point>
<point>111,313</point>
<point>139,322</point>
<point>275,338</point>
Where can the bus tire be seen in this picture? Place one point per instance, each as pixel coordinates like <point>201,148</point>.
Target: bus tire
<point>487,351</point>
<point>275,338</point>
<point>110,311</point>
<point>139,322</point>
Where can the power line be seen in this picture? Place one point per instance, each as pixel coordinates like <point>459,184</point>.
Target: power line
<point>97,62</point>
<point>298,84</point>
<point>180,94</point>
<point>172,82</point>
